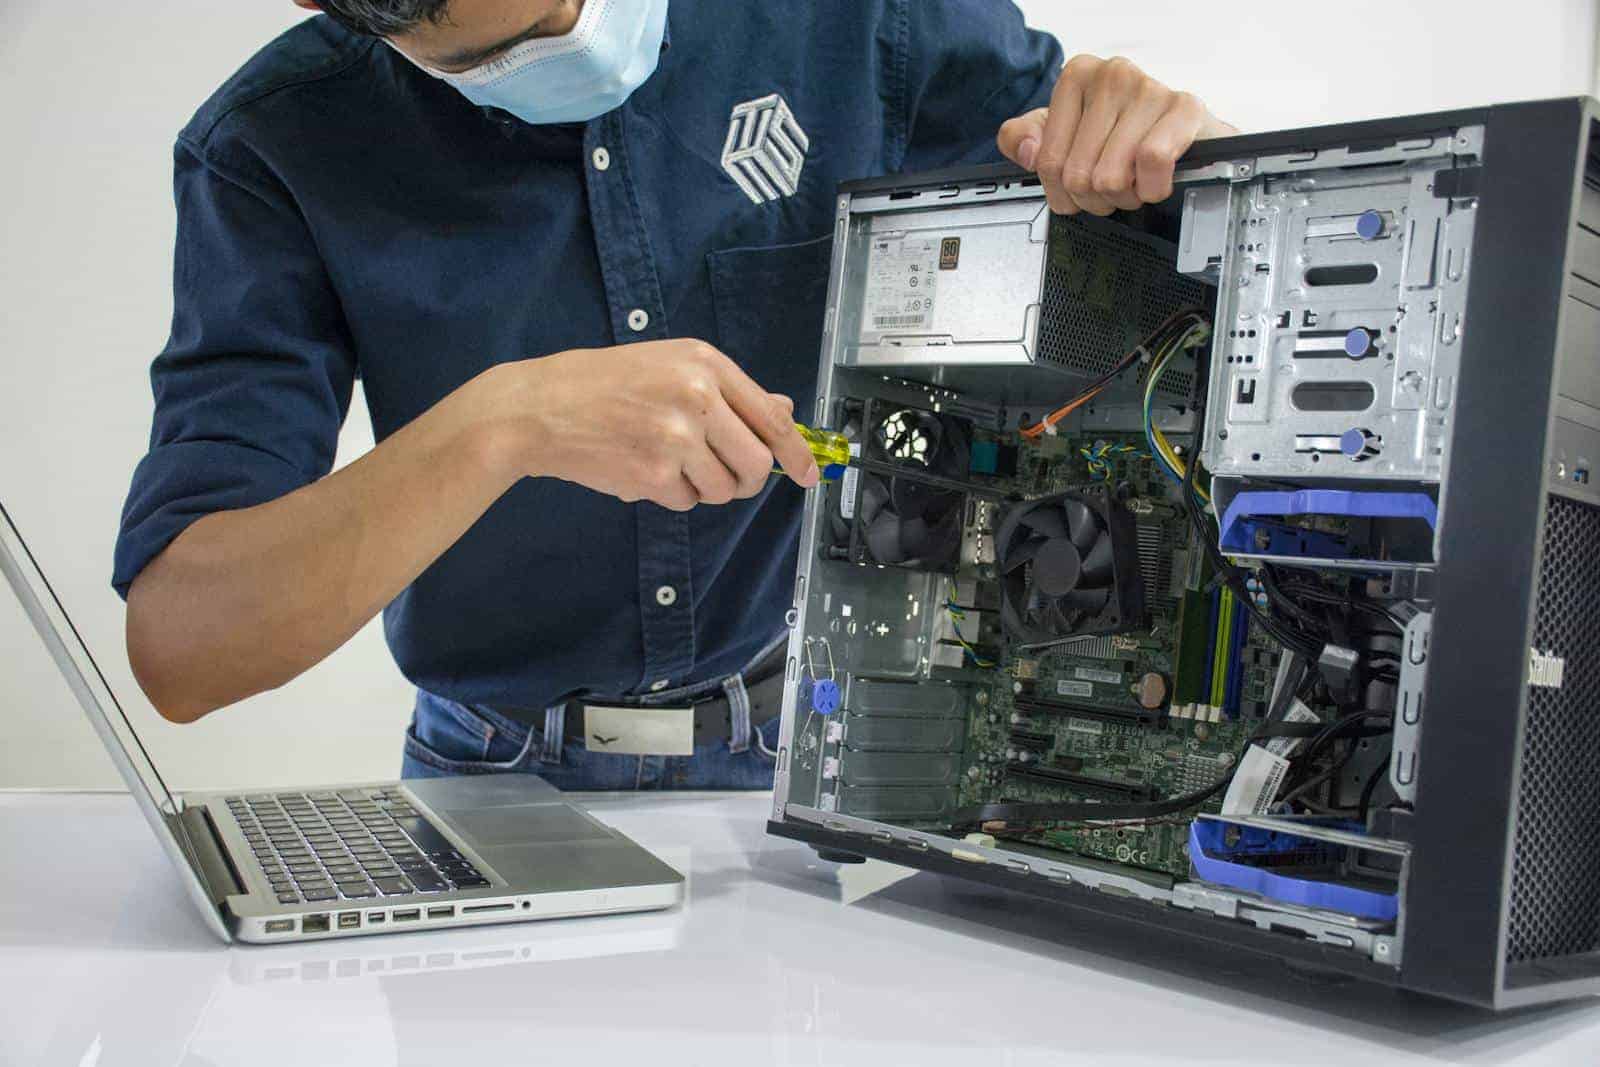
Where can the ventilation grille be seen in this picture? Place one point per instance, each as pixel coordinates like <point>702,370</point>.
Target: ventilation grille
<point>1104,292</point>
<point>1555,883</point>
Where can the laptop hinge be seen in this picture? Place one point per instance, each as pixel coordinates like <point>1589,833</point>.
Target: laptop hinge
<point>211,859</point>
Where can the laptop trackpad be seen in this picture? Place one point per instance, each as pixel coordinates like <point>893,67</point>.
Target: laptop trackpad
<point>525,824</point>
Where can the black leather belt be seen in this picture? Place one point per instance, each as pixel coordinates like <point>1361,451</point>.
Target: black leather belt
<point>713,718</point>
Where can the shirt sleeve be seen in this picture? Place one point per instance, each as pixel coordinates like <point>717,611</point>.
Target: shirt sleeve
<point>970,66</point>
<point>255,379</point>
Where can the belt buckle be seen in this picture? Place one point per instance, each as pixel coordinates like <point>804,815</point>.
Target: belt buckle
<point>638,731</point>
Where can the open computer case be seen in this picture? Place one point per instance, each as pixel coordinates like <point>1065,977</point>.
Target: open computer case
<point>1332,692</point>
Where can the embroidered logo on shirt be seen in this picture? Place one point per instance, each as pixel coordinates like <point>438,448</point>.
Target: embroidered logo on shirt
<point>766,149</point>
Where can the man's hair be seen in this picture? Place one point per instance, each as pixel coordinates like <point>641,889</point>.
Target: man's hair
<point>384,18</point>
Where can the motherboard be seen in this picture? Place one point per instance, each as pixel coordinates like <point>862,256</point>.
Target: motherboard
<point>1115,670</point>
<point>1134,716</point>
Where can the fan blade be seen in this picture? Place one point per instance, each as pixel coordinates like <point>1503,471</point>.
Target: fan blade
<point>941,542</point>
<point>914,537</point>
<point>1097,565</point>
<point>874,495</point>
<point>1056,619</point>
<point>1087,601</point>
<point>1081,521</point>
<point>1035,605</point>
<point>1046,522</point>
<point>883,539</point>
<point>1022,554</point>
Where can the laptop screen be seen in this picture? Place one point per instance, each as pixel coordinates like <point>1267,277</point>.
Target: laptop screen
<point>83,675</point>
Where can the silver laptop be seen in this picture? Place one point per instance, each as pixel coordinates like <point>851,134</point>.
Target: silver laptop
<point>356,859</point>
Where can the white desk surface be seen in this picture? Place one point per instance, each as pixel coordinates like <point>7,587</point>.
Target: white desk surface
<point>776,958</point>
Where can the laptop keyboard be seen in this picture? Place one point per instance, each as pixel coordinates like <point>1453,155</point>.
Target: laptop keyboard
<point>351,844</point>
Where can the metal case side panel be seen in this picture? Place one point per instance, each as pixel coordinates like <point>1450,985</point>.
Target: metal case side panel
<point>1476,690</point>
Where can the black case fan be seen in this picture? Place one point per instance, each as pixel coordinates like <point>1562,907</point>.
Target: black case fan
<point>900,521</point>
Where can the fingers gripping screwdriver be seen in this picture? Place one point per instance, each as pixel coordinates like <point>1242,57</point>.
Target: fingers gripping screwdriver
<point>831,451</point>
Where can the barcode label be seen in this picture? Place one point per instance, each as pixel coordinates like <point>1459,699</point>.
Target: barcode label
<point>1085,726</point>
<point>1089,674</point>
<point>1256,783</point>
<point>852,480</point>
<point>1068,688</point>
<point>892,322</point>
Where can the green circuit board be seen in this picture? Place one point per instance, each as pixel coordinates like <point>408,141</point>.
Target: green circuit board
<point>1099,718</point>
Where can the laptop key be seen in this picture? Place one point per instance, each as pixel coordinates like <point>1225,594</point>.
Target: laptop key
<point>469,883</point>
<point>426,881</point>
<point>321,893</point>
<point>392,887</point>
<point>356,889</point>
<point>288,898</point>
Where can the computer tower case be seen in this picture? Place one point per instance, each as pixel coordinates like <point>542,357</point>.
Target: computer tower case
<point>1360,728</point>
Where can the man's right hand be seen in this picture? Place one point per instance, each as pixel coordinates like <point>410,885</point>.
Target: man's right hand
<point>244,600</point>
<point>673,422</point>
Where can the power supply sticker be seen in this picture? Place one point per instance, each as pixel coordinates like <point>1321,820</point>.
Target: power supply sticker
<point>950,253</point>
<point>901,273</point>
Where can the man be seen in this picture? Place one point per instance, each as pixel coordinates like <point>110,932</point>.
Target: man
<point>583,323</point>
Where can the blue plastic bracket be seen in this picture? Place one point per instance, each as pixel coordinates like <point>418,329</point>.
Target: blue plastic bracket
<point>1216,862</point>
<point>1352,503</point>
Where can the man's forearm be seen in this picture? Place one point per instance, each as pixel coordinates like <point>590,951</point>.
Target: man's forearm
<point>243,601</point>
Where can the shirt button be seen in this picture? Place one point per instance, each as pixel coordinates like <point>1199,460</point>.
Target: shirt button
<point>656,687</point>
<point>602,159</point>
<point>666,596</point>
<point>638,319</point>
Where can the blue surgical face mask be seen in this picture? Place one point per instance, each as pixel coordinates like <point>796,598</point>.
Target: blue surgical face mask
<point>613,49</point>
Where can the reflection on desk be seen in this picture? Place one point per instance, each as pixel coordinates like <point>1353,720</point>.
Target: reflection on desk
<point>778,957</point>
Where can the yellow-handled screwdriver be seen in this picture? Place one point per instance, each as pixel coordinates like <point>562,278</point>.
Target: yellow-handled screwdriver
<point>830,449</point>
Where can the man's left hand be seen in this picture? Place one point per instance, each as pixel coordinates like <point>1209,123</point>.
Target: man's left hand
<point>1109,139</point>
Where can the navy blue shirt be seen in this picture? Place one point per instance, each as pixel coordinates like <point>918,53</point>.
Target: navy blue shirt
<point>343,214</point>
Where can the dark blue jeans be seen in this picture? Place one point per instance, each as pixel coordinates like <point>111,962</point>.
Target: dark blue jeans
<point>447,738</point>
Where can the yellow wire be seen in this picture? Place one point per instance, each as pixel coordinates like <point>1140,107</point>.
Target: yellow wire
<point>1168,454</point>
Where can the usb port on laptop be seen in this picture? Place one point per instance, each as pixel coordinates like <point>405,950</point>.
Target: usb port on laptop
<point>445,912</point>
<point>407,915</point>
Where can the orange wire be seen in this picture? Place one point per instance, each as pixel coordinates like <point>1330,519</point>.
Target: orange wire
<point>1043,425</point>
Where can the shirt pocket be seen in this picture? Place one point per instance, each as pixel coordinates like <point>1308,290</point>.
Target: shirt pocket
<point>769,306</point>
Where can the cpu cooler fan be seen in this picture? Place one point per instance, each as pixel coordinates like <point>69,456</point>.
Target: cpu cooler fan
<point>1068,567</point>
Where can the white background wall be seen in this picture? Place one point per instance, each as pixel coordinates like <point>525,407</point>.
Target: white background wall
<point>89,104</point>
